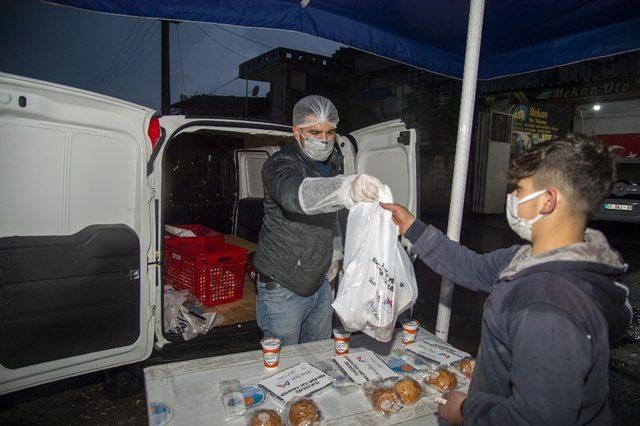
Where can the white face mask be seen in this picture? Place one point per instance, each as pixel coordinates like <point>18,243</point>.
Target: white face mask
<point>316,149</point>
<point>519,225</point>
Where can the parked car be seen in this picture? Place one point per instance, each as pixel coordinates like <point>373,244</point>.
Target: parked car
<point>87,184</point>
<point>623,205</point>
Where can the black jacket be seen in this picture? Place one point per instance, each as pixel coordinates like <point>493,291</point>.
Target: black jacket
<point>294,248</point>
<point>546,327</point>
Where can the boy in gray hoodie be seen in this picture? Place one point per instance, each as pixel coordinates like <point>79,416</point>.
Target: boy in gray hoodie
<point>554,304</point>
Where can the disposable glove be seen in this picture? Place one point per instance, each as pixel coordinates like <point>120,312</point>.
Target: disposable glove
<point>365,188</point>
<point>333,270</point>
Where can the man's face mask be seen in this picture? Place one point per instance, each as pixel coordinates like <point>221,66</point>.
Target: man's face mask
<point>316,149</point>
<point>519,225</point>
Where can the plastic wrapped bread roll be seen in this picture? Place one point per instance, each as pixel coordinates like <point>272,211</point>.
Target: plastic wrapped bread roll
<point>466,366</point>
<point>303,412</point>
<point>385,400</point>
<point>442,380</point>
<point>383,397</point>
<point>408,390</point>
<point>264,418</point>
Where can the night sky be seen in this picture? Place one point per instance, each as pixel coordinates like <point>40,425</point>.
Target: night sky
<point>120,56</point>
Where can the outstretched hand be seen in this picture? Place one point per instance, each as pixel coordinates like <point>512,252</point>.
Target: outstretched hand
<point>401,216</point>
<point>450,410</point>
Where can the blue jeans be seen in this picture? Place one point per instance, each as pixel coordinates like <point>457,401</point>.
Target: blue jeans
<point>292,318</point>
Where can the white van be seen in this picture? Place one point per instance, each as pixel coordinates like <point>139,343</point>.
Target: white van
<point>87,183</point>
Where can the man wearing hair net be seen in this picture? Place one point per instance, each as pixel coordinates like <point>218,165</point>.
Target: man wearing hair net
<point>300,240</point>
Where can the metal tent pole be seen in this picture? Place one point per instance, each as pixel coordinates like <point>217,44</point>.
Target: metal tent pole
<point>465,121</point>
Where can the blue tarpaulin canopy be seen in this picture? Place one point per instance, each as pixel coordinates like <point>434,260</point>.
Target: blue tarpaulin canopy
<point>518,35</point>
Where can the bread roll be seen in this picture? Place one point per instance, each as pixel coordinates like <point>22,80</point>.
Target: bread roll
<point>408,390</point>
<point>304,413</point>
<point>384,400</point>
<point>442,380</point>
<point>466,367</point>
<point>266,418</point>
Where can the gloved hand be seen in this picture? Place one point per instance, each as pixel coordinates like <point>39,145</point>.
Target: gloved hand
<point>333,270</point>
<point>365,188</point>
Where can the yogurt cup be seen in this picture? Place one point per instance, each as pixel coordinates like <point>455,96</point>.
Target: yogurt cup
<point>341,340</point>
<point>270,351</point>
<point>409,331</point>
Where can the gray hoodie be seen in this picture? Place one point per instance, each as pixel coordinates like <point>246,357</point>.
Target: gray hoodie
<point>546,327</point>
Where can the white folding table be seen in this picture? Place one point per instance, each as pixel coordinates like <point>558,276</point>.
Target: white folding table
<point>187,393</point>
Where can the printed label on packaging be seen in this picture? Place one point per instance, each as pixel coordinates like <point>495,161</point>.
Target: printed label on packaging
<point>160,413</point>
<point>408,336</point>
<point>298,381</point>
<point>364,366</point>
<point>253,396</point>
<point>437,351</point>
<point>342,346</point>
<point>271,358</point>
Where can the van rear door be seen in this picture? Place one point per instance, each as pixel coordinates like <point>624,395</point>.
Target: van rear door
<point>75,233</point>
<point>388,151</point>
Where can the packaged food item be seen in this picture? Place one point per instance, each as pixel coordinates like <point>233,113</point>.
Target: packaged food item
<point>383,397</point>
<point>303,412</point>
<point>341,340</point>
<point>466,366</point>
<point>264,417</point>
<point>442,380</point>
<point>385,401</point>
<point>271,351</point>
<point>408,390</point>
<point>232,399</point>
<point>340,378</point>
<point>253,395</point>
<point>399,365</point>
<point>409,331</point>
<point>416,361</point>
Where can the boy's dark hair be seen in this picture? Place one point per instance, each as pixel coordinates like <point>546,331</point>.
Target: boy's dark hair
<point>580,167</point>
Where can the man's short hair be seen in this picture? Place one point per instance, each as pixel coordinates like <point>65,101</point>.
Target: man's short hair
<point>580,167</point>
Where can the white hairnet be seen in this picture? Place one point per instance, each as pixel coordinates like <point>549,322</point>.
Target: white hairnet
<point>314,109</point>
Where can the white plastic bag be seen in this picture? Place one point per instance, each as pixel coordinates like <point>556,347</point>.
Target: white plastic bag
<point>179,319</point>
<point>179,232</point>
<point>378,282</point>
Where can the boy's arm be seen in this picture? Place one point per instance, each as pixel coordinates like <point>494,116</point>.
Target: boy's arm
<point>551,359</point>
<point>452,260</point>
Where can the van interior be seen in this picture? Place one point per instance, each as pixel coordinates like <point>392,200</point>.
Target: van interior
<point>212,178</point>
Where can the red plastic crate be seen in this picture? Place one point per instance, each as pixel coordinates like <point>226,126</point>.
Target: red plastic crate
<point>212,270</point>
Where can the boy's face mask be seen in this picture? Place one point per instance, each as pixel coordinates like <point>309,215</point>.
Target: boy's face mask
<point>519,225</point>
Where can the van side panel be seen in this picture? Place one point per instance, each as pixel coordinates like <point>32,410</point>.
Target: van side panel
<point>68,295</point>
<point>31,161</point>
<point>60,182</point>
